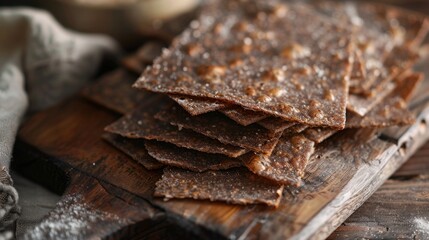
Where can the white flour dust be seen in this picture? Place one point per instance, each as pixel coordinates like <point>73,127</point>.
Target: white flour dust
<point>70,220</point>
<point>422,226</point>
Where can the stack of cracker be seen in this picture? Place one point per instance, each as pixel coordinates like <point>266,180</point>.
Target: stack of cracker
<point>235,107</point>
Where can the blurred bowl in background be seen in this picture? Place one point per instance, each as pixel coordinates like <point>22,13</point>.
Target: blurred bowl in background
<point>128,21</point>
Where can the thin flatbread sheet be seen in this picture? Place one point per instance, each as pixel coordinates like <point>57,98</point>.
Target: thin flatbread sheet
<point>362,105</point>
<point>217,126</point>
<point>318,135</point>
<point>405,87</point>
<point>297,128</point>
<point>114,91</point>
<point>196,106</point>
<point>242,116</point>
<point>256,62</point>
<point>144,56</point>
<point>135,149</point>
<point>379,29</point>
<point>286,164</point>
<point>358,104</point>
<point>400,60</point>
<point>192,160</point>
<point>237,186</point>
<point>142,124</point>
<point>372,40</point>
<point>238,114</point>
<point>392,112</point>
<point>414,25</point>
<point>358,74</point>
<point>275,124</point>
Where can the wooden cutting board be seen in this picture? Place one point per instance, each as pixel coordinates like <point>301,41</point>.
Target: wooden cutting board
<point>62,147</point>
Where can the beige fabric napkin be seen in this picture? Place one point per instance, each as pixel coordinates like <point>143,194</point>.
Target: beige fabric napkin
<point>41,63</point>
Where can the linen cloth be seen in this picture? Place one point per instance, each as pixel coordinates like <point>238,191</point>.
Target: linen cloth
<point>41,63</point>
